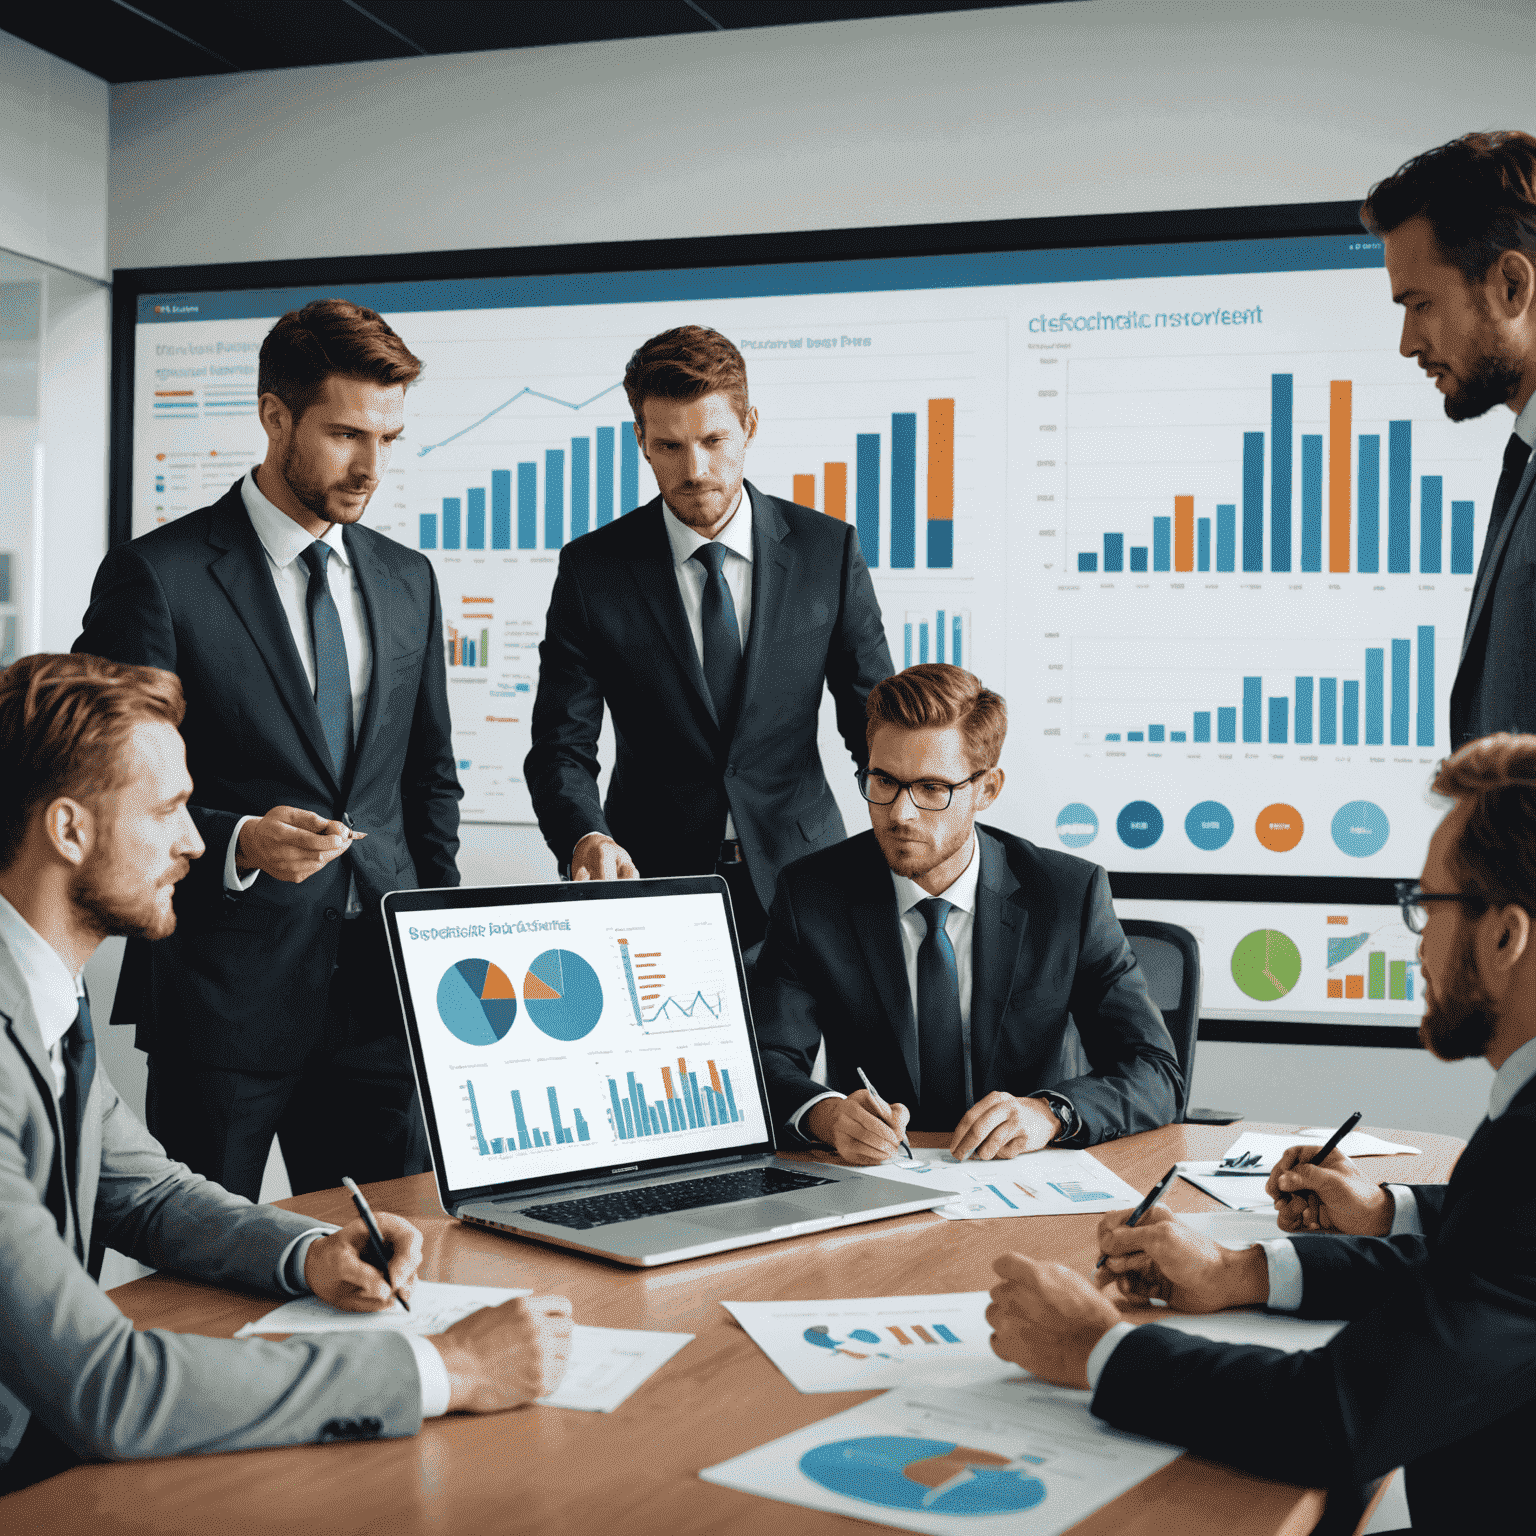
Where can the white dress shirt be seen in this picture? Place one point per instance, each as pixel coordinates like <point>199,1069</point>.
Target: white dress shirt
<point>959,927</point>
<point>1285,1274</point>
<point>55,997</point>
<point>285,542</point>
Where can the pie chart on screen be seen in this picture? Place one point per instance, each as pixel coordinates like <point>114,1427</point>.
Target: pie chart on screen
<point>476,1001</point>
<point>563,995</point>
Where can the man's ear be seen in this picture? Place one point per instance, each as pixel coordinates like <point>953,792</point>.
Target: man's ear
<point>70,829</point>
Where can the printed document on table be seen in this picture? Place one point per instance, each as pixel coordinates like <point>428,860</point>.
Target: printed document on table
<point>1241,1192</point>
<point>854,1343</point>
<point>1029,1456</point>
<point>1049,1183</point>
<point>605,1365</point>
<point>1270,1146</point>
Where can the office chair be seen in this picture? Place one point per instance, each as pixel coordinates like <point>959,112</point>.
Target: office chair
<point>1170,960</point>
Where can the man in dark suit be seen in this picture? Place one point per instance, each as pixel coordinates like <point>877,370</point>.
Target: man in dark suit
<point>318,739</point>
<point>1458,225</point>
<point>980,980</point>
<point>707,621</point>
<point>1436,1368</point>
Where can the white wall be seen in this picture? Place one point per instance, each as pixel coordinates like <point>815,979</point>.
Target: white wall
<point>1108,106</point>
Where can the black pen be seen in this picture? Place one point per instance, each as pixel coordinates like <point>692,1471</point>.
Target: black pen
<point>1329,1146</point>
<point>884,1109</point>
<point>376,1250</point>
<point>1154,1194</point>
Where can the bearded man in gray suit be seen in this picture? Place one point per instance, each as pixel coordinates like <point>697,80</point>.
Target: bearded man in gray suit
<point>94,835</point>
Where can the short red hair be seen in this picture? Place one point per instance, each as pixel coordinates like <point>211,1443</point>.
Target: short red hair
<point>934,696</point>
<point>64,728</point>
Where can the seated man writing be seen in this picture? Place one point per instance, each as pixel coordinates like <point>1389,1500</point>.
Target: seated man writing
<point>983,984</point>
<point>1436,1369</point>
<point>94,835</point>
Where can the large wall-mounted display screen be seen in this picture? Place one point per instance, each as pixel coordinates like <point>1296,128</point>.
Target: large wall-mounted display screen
<point>1180,500</point>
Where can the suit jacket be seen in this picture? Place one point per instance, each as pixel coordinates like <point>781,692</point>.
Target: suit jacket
<point>1057,998</point>
<point>243,981</point>
<point>1435,1372</point>
<point>1495,686</point>
<point>617,633</point>
<point>69,1357</point>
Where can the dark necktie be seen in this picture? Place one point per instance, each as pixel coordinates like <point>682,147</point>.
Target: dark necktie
<point>722,636</point>
<point>333,679</point>
<point>79,1052</point>
<point>1516,452</point>
<point>941,1054</point>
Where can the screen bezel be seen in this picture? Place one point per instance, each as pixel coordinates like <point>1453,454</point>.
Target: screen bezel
<point>471,897</point>
<point>1255,222</point>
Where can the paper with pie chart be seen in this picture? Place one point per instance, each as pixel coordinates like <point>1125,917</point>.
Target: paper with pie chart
<point>1013,1455</point>
<point>857,1342</point>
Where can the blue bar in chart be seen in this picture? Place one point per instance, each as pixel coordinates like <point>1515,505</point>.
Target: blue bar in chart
<point>684,1104</point>
<point>629,468</point>
<point>1253,501</point>
<point>501,509</point>
<point>1327,711</point>
<point>1280,406</point>
<point>1162,544</point>
<point>903,490</point>
<point>1311,501</point>
<point>1368,536</point>
<point>450,522</point>
<point>1226,723</point>
<point>474,1110</point>
<point>1425,735</point>
<point>867,499</point>
<point>1430,491</point>
<point>1461,538</point>
<point>1226,536</point>
<point>527,506</point>
<point>1138,557</point>
<point>429,530</point>
<point>604,476</point>
<point>1253,709</point>
<point>554,498</point>
<point>1375,696</point>
<point>529,1138</point>
<point>946,638</point>
<point>1399,492</point>
<point>1202,725</point>
<point>474,533</point>
<point>581,485</point>
<point>1279,716</point>
<point>1087,560</point>
<point>1114,552</point>
<point>1303,711</point>
<point>1203,544</point>
<point>1352,713</point>
<point>1400,666</point>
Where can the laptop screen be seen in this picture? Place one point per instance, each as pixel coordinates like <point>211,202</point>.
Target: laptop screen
<point>572,1030</point>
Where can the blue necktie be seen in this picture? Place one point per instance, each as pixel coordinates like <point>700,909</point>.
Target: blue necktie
<point>722,636</point>
<point>333,678</point>
<point>941,1053</point>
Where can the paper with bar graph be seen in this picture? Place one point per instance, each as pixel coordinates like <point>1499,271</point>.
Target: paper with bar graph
<point>1049,1183</point>
<point>858,1342</point>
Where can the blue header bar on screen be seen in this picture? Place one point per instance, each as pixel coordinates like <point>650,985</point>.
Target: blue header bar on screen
<point>1205,258</point>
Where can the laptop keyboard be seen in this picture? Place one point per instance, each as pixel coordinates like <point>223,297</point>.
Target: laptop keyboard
<point>664,1199</point>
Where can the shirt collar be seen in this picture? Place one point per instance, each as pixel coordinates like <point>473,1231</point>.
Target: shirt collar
<point>1525,423</point>
<point>961,893</point>
<point>54,993</point>
<point>736,536</point>
<point>1517,1071</point>
<point>281,537</point>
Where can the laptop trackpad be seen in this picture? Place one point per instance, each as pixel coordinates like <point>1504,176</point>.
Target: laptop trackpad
<point>755,1215</point>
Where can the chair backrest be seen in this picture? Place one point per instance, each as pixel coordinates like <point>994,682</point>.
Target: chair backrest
<point>1170,960</point>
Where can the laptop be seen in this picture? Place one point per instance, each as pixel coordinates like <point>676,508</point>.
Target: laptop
<point>589,1073</point>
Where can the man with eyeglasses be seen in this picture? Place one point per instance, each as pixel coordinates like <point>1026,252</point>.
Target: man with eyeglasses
<point>982,984</point>
<point>1435,1370</point>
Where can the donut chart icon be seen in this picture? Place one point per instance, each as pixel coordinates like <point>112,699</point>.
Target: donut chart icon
<point>476,1002</point>
<point>1279,827</point>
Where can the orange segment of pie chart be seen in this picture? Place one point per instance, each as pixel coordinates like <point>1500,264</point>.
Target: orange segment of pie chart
<point>497,983</point>
<point>1279,827</point>
<point>533,986</point>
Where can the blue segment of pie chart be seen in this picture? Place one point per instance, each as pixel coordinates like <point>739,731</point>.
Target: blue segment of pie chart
<point>905,1472</point>
<point>1209,826</point>
<point>1360,829</point>
<point>1140,824</point>
<point>1077,825</point>
<point>475,1002</point>
<point>563,995</point>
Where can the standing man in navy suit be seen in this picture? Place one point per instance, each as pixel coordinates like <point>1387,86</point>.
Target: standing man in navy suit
<point>707,622</point>
<point>318,739</point>
<point>1458,225</point>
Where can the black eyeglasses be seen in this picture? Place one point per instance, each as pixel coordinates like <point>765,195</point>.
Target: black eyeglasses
<point>927,794</point>
<point>1414,900</point>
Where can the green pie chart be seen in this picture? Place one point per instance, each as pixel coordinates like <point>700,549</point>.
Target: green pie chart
<point>1266,964</point>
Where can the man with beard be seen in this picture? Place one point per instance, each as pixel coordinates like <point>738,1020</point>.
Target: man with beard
<point>1436,1368</point>
<point>984,984</point>
<point>317,730</point>
<point>1458,225</point>
<point>94,834</point>
<point>708,622</point>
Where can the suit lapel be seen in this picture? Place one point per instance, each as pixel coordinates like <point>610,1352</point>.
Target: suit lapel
<point>240,568</point>
<point>372,580</point>
<point>997,936</point>
<point>63,1203</point>
<point>656,577</point>
<point>872,911</point>
<point>772,568</point>
<point>1493,556</point>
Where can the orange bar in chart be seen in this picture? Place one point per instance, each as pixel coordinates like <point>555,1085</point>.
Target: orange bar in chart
<point>941,461</point>
<point>1354,986</point>
<point>899,1336</point>
<point>1339,425</point>
<point>1183,533</point>
<point>835,483</point>
<point>714,1080</point>
<point>1335,986</point>
<point>666,1078</point>
<point>805,490</point>
<point>923,1334</point>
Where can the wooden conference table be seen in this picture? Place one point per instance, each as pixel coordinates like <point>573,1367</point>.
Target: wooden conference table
<point>634,1471</point>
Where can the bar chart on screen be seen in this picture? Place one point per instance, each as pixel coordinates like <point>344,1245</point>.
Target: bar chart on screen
<point>522,1134</point>
<point>1371,965</point>
<point>671,1100</point>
